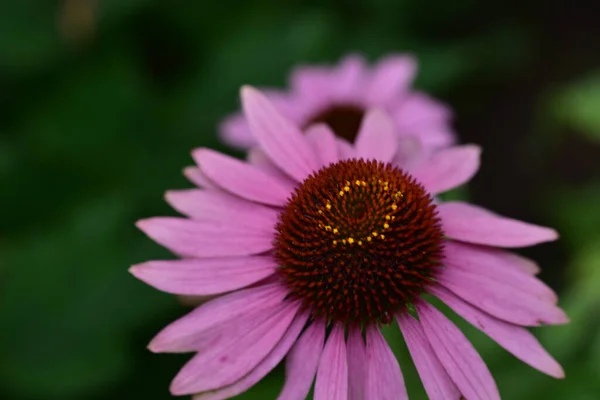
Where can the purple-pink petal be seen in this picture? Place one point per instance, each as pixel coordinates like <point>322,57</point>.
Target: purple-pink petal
<point>357,364</point>
<point>257,158</point>
<point>409,153</point>
<point>241,178</point>
<point>392,76</point>
<point>448,168</point>
<point>345,149</point>
<point>283,142</point>
<point>322,140</point>
<point>199,178</point>
<point>207,239</point>
<point>468,223</point>
<point>332,374</point>
<point>517,340</point>
<point>384,377</point>
<point>454,351</point>
<point>302,362</point>
<point>206,276</point>
<point>376,139</point>
<point>436,381</point>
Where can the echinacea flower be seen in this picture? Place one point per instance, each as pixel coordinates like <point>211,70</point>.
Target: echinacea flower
<point>313,244</point>
<point>341,95</point>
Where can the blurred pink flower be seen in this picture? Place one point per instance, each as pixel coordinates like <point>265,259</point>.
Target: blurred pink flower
<point>312,244</point>
<point>340,96</point>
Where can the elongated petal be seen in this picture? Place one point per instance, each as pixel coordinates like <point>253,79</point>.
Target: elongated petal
<point>357,364</point>
<point>517,340</point>
<point>259,159</point>
<point>347,79</point>
<point>241,179</point>
<point>376,139</point>
<point>391,77</point>
<point>384,378</point>
<point>279,137</point>
<point>199,178</point>
<point>436,381</point>
<point>212,321</point>
<point>448,168</point>
<point>332,374</point>
<point>204,277</point>
<point>207,239</point>
<point>223,364</point>
<point>454,351</point>
<point>323,142</point>
<point>263,368</point>
<point>302,362</point>
<point>468,223</point>
<point>345,149</point>
<point>409,153</point>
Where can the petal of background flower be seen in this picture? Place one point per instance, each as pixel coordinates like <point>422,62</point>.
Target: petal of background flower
<point>409,153</point>
<point>224,363</point>
<point>345,149</point>
<point>283,142</point>
<point>332,374</point>
<point>236,132</point>
<point>392,76</point>
<point>357,364</point>
<point>515,339</point>
<point>448,168</point>
<point>436,381</point>
<point>241,178</point>
<point>384,377</point>
<point>263,368</point>
<point>199,178</point>
<point>376,139</point>
<point>206,276</point>
<point>302,362</point>
<point>207,239</point>
<point>468,223</point>
<point>322,140</point>
<point>346,80</point>
<point>454,351</point>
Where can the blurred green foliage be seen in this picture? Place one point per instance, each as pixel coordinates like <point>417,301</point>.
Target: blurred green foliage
<point>101,102</point>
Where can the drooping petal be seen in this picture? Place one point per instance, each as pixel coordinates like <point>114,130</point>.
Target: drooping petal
<point>223,364</point>
<point>448,168</point>
<point>263,368</point>
<point>302,362</point>
<point>454,351</point>
<point>392,76</point>
<point>212,205</point>
<point>384,377</point>
<point>436,381</point>
<point>517,340</point>
<point>199,178</point>
<point>205,276</point>
<point>357,364</point>
<point>212,321</point>
<point>376,137</point>
<point>322,140</point>
<point>468,223</point>
<point>332,374</point>
<point>280,138</point>
<point>241,178</point>
<point>207,239</point>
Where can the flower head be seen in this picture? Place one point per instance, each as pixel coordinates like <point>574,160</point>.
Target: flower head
<point>312,244</point>
<point>340,96</point>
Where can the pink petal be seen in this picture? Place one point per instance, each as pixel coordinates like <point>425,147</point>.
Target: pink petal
<point>436,381</point>
<point>517,340</point>
<point>204,277</point>
<point>262,369</point>
<point>302,362</point>
<point>257,158</point>
<point>332,375</point>
<point>208,239</point>
<point>223,364</point>
<point>323,142</point>
<point>346,81</point>
<point>281,140</point>
<point>310,81</point>
<point>392,76</point>
<point>345,149</point>
<point>460,360</point>
<point>384,378</point>
<point>498,265</point>
<point>199,178</point>
<point>213,205</point>
<point>448,168</point>
<point>376,139</point>
<point>468,223</point>
<point>357,364</point>
<point>419,108</point>
<point>241,178</point>
<point>210,323</point>
<point>236,132</point>
<point>409,153</point>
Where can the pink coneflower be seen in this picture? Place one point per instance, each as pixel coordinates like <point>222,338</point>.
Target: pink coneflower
<point>313,244</point>
<point>341,95</point>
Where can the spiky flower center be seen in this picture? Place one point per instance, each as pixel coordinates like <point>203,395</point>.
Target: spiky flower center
<point>343,119</point>
<point>358,241</point>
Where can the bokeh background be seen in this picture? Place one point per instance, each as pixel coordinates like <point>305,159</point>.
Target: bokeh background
<point>101,102</point>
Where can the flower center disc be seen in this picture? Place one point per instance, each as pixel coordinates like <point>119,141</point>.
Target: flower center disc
<point>358,241</point>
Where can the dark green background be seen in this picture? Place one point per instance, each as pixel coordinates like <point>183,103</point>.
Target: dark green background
<point>98,116</point>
